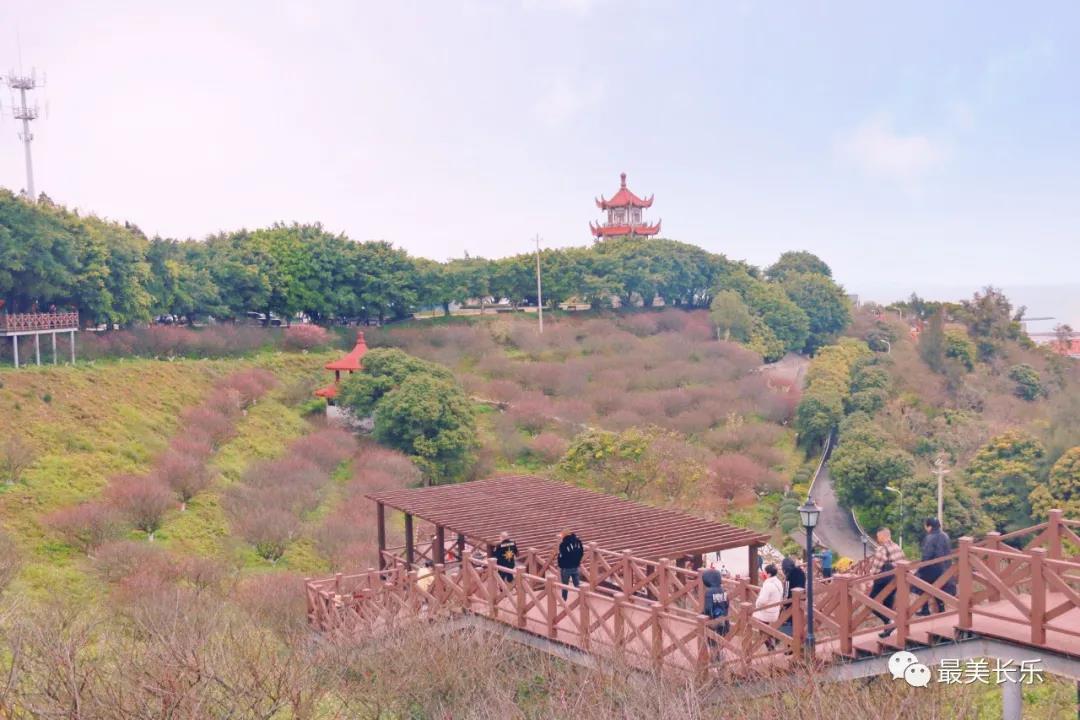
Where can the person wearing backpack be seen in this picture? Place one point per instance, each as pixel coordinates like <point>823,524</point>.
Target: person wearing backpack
<point>716,605</point>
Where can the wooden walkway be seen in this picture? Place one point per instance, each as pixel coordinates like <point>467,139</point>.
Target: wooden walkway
<point>1022,588</point>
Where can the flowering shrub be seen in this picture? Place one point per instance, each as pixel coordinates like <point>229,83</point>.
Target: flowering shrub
<point>305,337</point>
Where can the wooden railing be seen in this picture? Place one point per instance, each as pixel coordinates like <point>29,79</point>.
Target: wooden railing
<point>20,322</point>
<point>648,613</point>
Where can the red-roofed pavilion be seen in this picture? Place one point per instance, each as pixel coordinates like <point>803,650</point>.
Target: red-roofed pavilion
<point>624,214</point>
<point>351,362</point>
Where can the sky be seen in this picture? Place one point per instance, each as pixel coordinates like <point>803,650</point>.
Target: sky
<point>929,146</point>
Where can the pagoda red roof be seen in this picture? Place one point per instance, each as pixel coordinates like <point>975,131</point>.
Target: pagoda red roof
<point>351,361</point>
<point>623,198</point>
<point>618,230</point>
<point>329,392</point>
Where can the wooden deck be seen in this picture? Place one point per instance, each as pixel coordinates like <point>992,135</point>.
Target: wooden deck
<point>647,613</point>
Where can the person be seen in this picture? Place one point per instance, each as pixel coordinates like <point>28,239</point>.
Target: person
<point>570,553</point>
<point>883,563</point>
<point>505,554</point>
<point>825,555</point>
<point>768,599</point>
<point>934,545</point>
<point>794,577</point>
<point>716,604</point>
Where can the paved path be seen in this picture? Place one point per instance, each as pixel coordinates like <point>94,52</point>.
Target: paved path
<point>836,529</point>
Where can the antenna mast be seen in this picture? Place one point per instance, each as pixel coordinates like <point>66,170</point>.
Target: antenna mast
<point>26,113</point>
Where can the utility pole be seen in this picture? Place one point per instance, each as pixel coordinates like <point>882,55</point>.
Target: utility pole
<point>539,293</point>
<point>940,471</point>
<point>26,113</point>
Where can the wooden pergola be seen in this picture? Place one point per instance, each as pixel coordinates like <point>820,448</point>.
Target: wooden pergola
<point>533,510</point>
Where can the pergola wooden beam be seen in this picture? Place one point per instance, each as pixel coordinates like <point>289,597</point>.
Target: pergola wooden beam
<point>533,510</point>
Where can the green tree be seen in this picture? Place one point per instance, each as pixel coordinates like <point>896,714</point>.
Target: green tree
<point>431,420</point>
<point>824,302</point>
<point>960,348</point>
<point>786,319</point>
<point>862,466</point>
<point>1063,489</point>
<point>799,261</point>
<point>1028,383</point>
<point>731,316</point>
<point>1003,471</point>
<point>990,319</point>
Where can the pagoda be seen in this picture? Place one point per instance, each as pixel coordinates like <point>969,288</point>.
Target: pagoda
<point>350,362</point>
<point>624,214</point>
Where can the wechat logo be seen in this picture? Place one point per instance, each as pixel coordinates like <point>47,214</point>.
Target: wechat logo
<point>905,665</point>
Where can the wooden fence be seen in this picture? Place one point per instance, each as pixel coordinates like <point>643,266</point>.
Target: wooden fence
<point>649,613</point>
<point>30,322</point>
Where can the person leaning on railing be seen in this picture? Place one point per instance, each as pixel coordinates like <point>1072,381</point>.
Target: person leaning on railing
<point>768,601</point>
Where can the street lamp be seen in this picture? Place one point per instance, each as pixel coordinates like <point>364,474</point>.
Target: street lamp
<point>809,512</point>
<point>865,545</point>
<point>901,494</point>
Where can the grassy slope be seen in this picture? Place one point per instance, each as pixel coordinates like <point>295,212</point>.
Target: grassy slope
<point>114,417</point>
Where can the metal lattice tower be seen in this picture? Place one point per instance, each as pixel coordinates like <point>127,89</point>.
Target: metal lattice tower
<point>26,113</point>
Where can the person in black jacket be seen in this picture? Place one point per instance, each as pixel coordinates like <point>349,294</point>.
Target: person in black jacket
<point>935,545</point>
<point>794,577</point>
<point>505,554</point>
<point>570,553</point>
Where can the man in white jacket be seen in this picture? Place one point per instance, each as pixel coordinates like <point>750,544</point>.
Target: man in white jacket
<point>772,593</point>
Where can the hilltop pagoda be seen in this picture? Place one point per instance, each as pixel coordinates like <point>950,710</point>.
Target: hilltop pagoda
<point>351,362</point>
<point>624,214</point>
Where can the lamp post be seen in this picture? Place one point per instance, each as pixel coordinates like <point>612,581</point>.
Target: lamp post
<point>865,545</point>
<point>809,512</point>
<point>901,494</point>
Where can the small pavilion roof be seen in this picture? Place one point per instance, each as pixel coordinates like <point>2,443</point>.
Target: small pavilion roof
<point>533,510</point>
<point>351,361</point>
<point>329,392</point>
<point>623,198</point>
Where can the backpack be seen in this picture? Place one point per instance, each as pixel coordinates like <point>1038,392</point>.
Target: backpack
<point>719,609</point>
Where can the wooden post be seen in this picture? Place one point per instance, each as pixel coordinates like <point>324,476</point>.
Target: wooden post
<point>903,599</point>
<point>697,561</point>
<point>1053,535</point>
<point>798,623</point>
<point>15,345</point>
<point>552,606</point>
<point>380,519</point>
<point>37,348</point>
<point>843,587</point>
<point>704,652</point>
<point>437,586</point>
<point>72,347</point>
<point>584,598</point>
<point>54,361</point>
<point>993,541</point>
<point>519,598</point>
<point>439,551</point>
<point>1038,596</point>
<point>663,582</point>
<point>617,620</point>
<point>493,588</point>
<point>752,559</point>
<point>409,554</point>
<point>699,593</point>
<point>746,611</point>
<point>337,583</point>
<point>963,583</point>
<point>594,565</point>
<point>627,580</point>
<point>461,547</point>
<point>657,650</point>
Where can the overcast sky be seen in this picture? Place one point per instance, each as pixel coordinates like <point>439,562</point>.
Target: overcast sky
<point>912,145</point>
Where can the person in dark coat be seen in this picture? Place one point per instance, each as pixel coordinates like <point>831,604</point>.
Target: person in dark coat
<point>716,604</point>
<point>794,577</point>
<point>505,554</point>
<point>570,553</point>
<point>935,545</point>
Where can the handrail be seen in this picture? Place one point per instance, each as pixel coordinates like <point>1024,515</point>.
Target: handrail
<point>821,463</point>
<point>39,321</point>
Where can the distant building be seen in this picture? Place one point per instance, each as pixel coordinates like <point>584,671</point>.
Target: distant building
<point>624,214</point>
<point>1070,349</point>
